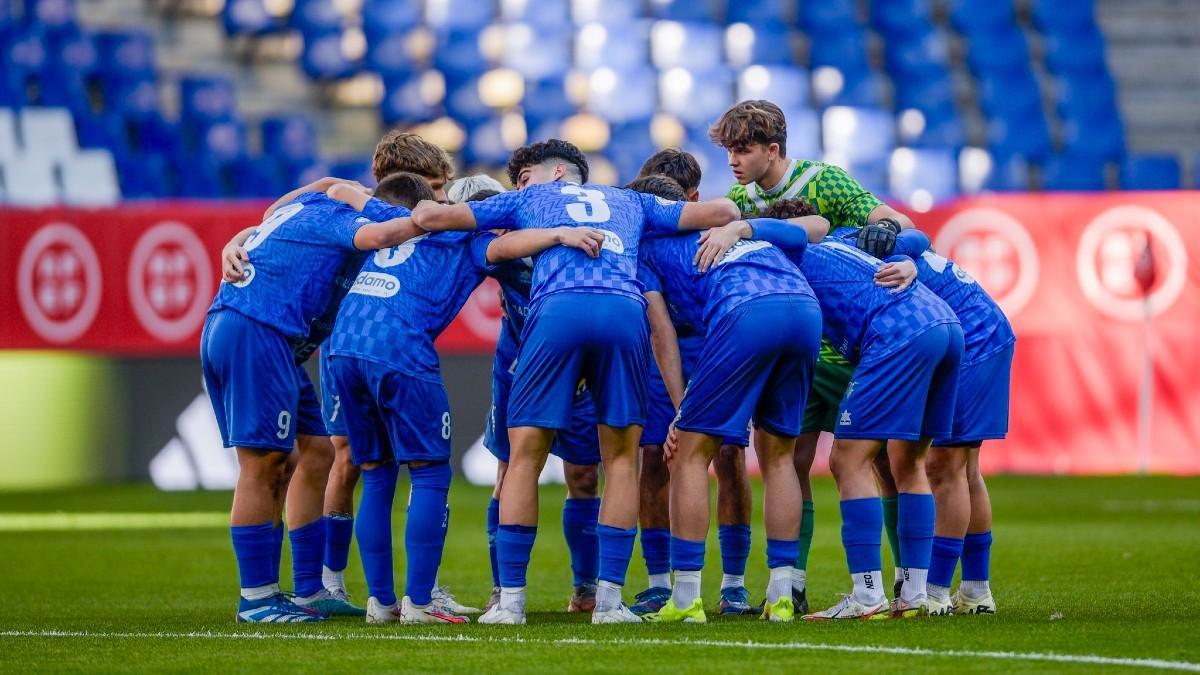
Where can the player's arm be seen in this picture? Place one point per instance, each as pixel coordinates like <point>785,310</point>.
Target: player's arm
<point>708,214</point>
<point>884,212</point>
<point>665,342</point>
<point>319,185</point>
<point>898,273</point>
<point>789,236</point>
<point>911,243</point>
<point>348,194</point>
<point>812,224</point>
<point>434,217</point>
<point>234,254</point>
<point>394,232</point>
<point>528,243</point>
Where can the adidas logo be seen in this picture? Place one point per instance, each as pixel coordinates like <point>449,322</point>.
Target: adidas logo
<point>195,457</point>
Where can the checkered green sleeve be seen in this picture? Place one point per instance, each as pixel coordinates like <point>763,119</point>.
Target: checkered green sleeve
<point>738,195</point>
<point>841,199</point>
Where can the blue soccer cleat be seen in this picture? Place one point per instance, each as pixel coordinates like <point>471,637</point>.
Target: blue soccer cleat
<point>330,603</point>
<point>650,600</point>
<point>736,600</point>
<point>276,608</point>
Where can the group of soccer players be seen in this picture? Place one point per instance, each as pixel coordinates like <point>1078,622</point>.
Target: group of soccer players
<point>645,332</point>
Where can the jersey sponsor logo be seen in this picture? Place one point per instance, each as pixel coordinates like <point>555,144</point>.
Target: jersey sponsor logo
<point>397,255</point>
<point>59,283</point>
<point>742,248</point>
<point>169,280</point>
<point>376,285</point>
<point>1110,251</point>
<point>613,243</point>
<point>845,420</point>
<point>995,249</point>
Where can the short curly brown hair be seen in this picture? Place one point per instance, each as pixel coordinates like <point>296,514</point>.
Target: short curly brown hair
<point>536,153</point>
<point>790,208</point>
<point>659,185</point>
<point>674,163</point>
<point>749,123</point>
<point>403,151</point>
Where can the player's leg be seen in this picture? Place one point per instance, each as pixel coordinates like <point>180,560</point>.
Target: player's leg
<point>654,520</point>
<point>888,495</point>
<point>804,455</point>
<point>425,540</point>
<point>974,593</point>
<point>305,505</point>
<point>278,532</point>
<point>617,524</point>
<point>733,527</point>
<point>493,526</point>
<point>947,470</point>
<point>495,439</point>
<point>689,497</point>
<point>782,504</point>
<point>339,493</point>
<point>581,513</point>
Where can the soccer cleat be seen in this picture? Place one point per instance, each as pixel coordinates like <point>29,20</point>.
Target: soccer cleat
<point>330,603</point>
<point>736,600</point>
<point>966,605</point>
<point>447,604</point>
<point>379,613</point>
<point>780,611</point>
<point>909,609</point>
<point>650,600</point>
<point>618,614</point>
<point>800,601</point>
<point>276,608</point>
<point>493,599</point>
<point>500,616</point>
<point>672,614</point>
<point>583,599</point>
<point>849,608</point>
<point>411,613</point>
<point>937,607</point>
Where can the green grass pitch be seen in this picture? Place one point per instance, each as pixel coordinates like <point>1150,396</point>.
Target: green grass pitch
<point>1089,573</point>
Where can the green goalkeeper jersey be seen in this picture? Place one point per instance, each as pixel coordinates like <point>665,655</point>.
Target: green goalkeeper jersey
<point>838,197</point>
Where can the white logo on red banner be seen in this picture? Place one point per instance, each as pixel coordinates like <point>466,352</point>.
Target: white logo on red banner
<point>995,249</point>
<point>1108,255</point>
<point>481,313</point>
<point>59,283</point>
<point>170,281</point>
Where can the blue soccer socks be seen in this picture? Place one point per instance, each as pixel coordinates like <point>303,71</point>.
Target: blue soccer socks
<point>579,522</point>
<point>373,530</point>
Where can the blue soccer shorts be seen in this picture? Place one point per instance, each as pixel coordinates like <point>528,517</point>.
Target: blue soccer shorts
<point>331,402</point>
<point>578,444</point>
<point>756,364</point>
<point>261,398</point>
<point>391,415</point>
<point>660,411</point>
<point>906,393</point>
<point>981,406</point>
<point>572,338</point>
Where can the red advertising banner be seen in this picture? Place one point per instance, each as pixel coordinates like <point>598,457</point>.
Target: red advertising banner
<point>1101,288</point>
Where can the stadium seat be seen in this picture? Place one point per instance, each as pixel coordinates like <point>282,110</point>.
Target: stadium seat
<point>998,52</point>
<point>23,59</point>
<point>830,16</point>
<point>546,15</point>
<point>786,86</point>
<point>29,180</point>
<point>763,12</point>
<point>289,138</point>
<point>1063,16</point>
<point>256,177</point>
<point>89,179</point>
<point>715,177</point>
<point>804,132</point>
<point>458,54</point>
<point>536,53</point>
<point>1009,94</point>
<point>611,12</point>
<point>945,131</point>
<point>315,17</point>
<point>901,16</point>
<point>389,52</point>
<point>131,98</point>
<point>691,45</point>
<point>1151,172</point>
<point>629,145</point>
<point>205,98</point>
<point>617,47</point>
<point>858,134</point>
<point>197,178</point>
<point>1073,173</point>
<point>485,144</point>
<point>1102,136</point>
<point>623,96</point>
<point>1082,52</point>
<point>124,56</point>
<point>324,56</point>
<point>845,50</point>
<point>50,15</point>
<point>688,10</point>
<point>1022,134</point>
<point>923,177</point>
<point>767,44</point>
<point>102,131</point>
<point>144,176</point>
<point>356,168</point>
<point>865,91</point>
<point>220,141</point>
<point>49,132</point>
<point>872,175</point>
<point>464,104</point>
<point>412,97</point>
<point>978,172</point>
<point>972,16</point>
<point>248,17</point>
<point>912,57</point>
<point>932,93</point>
<point>546,101</point>
<point>459,14</point>
<point>10,143</point>
<point>696,97</point>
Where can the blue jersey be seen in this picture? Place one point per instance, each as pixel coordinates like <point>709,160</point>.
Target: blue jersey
<point>686,312</point>
<point>405,296</point>
<point>295,257</point>
<point>516,283</point>
<point>623,215</point>
<point>751,269</point>
<point>857,312</point>
<point>985,327</point>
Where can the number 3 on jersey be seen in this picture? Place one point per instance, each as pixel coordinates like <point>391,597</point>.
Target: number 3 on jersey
<point>590,207</point>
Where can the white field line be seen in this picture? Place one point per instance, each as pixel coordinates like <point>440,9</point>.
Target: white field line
<point>1050,657</point>
<point>62,521</point>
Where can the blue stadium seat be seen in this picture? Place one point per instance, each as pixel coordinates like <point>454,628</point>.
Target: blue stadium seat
<point>1023,134</point>
<point>786,86</point>
<point>143,176</point>
<point>929,171</point>
<point>1101,136</point>
<point>1080,96</point>
<point>865,91</point>
<point>871,174</point>
<point>831,15</point>
<point>70,63</point>
<point>688,10</point>
<point>536,53</point>
<point>1063,17</point>
<point>289,138</point>
<point>696,97</point>
<point>1074,173</point>
<point>765,43</point>
<point>458,54</point>
<point>765,12</point>
<point>901,16</point>
<point>1004,95</point>
<point>219,140</point>
<point>804,132</point>
<point>972,16</point>
<point>463,102</point>
<point>715,176</point>
<point>323,57</point>
<point>616,47</point>
<point>1078,53</point>
<point>125,55</point>
<point>623,96</point>
<point>998,52</point>
<point>692,45</point>
<point>979,171</point>
<point>629,145</point>
<point>23,60</point>
<point>485,144</point>
<point>547,15</point>
<point>410,97</point>
<point>255,177</point>
<point>858,134</point>
<point>103,131</point>
<point>381,17</point>
<point>132,98</point>
<point>50,16</point>
<point>206,98</point>
<point>546,101</point>
<point>911,57</point>
<point>354,168</point>
<point>845,50</point>
<point>459,14</point>
<point>611,12</point>
<point>388,52</point>
<point>155,133</point>
<point>935,132</point>
<point>248,17</point>
<point>197,178</point>
<point>932,93</point>
<point>315,17</point>
<point>1151,172</point>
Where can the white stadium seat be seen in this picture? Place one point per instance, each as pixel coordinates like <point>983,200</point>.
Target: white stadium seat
<point>90,179</point>
<point>48,132</point>
<point>29,181</point>
<point>9,144</point>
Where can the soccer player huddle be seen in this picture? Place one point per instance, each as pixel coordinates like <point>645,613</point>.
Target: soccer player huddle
<point>645,332</point>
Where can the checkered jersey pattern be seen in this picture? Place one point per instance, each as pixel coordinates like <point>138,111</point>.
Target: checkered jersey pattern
<point>836,195</point>
<point>516,283</point>
<point>622,214</point>
<point>294,256</point>
<point>751,269</point>
<point>857,312</point>
<point>405,297</point>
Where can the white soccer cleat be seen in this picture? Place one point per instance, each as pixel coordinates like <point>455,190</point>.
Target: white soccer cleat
<point>379,613</point>
<point>909,609</point>
<point>618,614</point>
<point>501,616</point>
<point>937,607</point>
<point>968,605</point>
<point>446,604</point>
<point>849,608</point>
<point>411,613</point>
